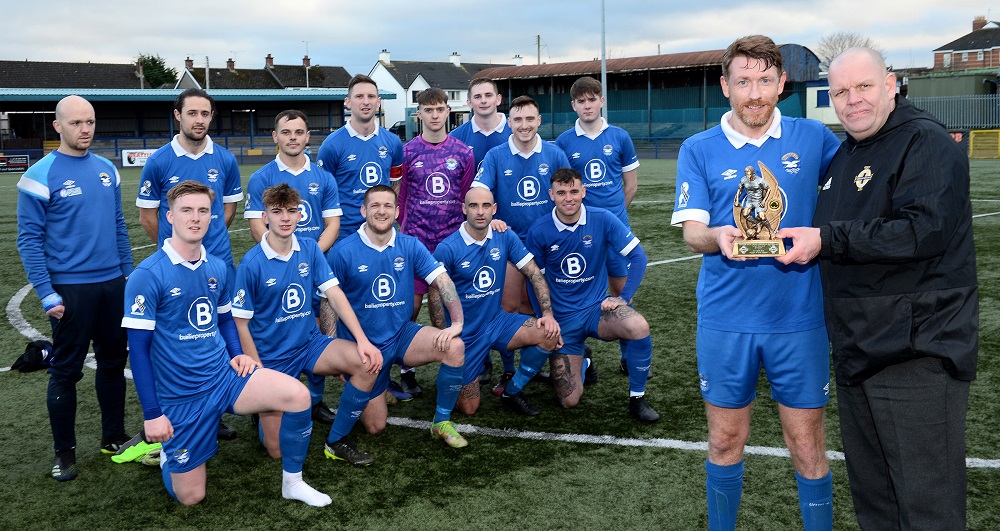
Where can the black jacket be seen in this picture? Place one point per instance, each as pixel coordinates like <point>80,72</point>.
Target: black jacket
<point>898,261</point>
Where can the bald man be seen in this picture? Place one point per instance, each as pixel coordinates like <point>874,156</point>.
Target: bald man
<point>75,249</point>
<point>893,233</point>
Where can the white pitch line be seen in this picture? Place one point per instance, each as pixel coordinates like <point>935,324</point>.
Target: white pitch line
<point>984,215</point>
<point>17,319</point>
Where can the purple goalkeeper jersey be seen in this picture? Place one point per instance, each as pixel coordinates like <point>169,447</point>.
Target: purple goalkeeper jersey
<point>431,191</point>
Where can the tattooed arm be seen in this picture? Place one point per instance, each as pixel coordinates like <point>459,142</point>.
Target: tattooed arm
<point>449,299</point>
<point>541,288</point>
<point>435,307</point>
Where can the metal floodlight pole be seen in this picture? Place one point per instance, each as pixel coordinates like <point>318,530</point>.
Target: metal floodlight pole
<point>604,67</point>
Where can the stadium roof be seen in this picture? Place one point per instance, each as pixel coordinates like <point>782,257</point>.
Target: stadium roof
<point>794,56</point>
<point>8,94</point>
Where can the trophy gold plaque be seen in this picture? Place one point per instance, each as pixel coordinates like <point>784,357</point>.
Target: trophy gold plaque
<point>758,208</point>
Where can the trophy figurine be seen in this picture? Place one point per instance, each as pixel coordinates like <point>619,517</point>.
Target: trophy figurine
<point>757,214</point>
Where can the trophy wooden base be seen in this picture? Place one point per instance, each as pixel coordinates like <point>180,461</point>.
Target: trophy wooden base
<point>758,248</point>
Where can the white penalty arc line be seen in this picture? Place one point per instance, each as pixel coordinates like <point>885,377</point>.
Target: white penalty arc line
<point>606,440</point>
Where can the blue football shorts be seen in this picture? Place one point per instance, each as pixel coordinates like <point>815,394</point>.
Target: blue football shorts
<point>299,360</point>
<point>797,365</point>
<point>493,335</point>
<point>578,326</point>
<point>393,351</point>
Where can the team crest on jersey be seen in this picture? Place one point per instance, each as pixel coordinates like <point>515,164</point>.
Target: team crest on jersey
<point>791,162</point>
<point>399,263</point>
<point>174,180</point>
<point>174,292</point>
<point>213,285</point>
<point>862,178</point>
<point>70,189</point>
<point>451,164</point>
<point>105,179</point>
<point>146,188</point>
<point>683,197</point>
<point>729,174</point>
<point>240,299</point>
<point>588,241</point>
<point>182,456</point>
<point>495,253</point>
<point>213,175</point>
<point>362,268</point>
<point>543,169</point>
<point>313,188</point>
<point>139,306</point>
<point>608,149</point>
<point>383,152</point>
<point>303,269</point>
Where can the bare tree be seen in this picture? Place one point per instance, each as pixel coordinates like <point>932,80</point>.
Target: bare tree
<point>830,46</point>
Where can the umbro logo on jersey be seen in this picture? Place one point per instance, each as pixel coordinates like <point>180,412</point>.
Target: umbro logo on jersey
<point>68,183</point>
<point>175,292</point>
<point>352,157</point>
<point>271,281</point>
<point>174,180</point>
<point>729,174</point>
<point>508,173</point>
<point>575,155</point>
<point>418,164</point>
<point>465,265</point>
<point>362,269</point>
<point>554,248</point>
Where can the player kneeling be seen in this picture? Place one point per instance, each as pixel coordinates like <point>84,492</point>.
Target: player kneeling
<point>476,256</point>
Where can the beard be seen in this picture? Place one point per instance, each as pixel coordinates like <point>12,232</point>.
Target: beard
<point>755,121</point>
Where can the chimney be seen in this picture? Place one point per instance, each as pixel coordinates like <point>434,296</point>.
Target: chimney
<point>230,64</point>
<point>269,61</point>
<point>139,73</point>
<point>189,63</point>
<point>456,59</point>
<point>978,23</point>
<point>305,61</point>
<point>518,60</point>
<point>383,57</point>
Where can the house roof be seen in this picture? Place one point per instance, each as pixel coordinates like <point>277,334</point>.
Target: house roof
<point>276,77</point>
<point>55,75</point>
<point>982,39</point>
<point>441,75</point>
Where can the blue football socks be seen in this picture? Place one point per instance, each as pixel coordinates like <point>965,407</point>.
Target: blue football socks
<point>449,384</point>
<point>724,488</point>
<point>816,502</point>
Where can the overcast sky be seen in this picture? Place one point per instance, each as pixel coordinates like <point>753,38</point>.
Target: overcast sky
<point>351,34</point>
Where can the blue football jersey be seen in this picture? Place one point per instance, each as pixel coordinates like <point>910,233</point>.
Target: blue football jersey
<point>573,257</point>
<point>317,189</point>
<point>180,302</point>
<point>520,184</point>
<point>358,163</point>
<point>478,269</point>
<point>215,167</point>
<point>601,161</point>
<point>709,169</point>
<point>274,292</point>
<point>480,140</point>
<point>379,281</point>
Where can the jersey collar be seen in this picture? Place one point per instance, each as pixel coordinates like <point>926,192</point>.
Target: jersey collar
<point>498,129</point>
<point>739,140</point>
<point>355,134</point>
<point>581,132</point>
<point>284,167</point>
<point>177,259</point>
<point>179,150</point>
<point>271,254</point>
<point>572,228</point>
<point>515,151</point>
<point>469,240</point>
<point>367,241</point>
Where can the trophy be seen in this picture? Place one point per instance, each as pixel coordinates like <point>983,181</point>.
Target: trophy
<point>757,214</point>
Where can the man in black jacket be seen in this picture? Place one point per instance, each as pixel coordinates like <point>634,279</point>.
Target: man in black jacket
<point>893,232</point>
